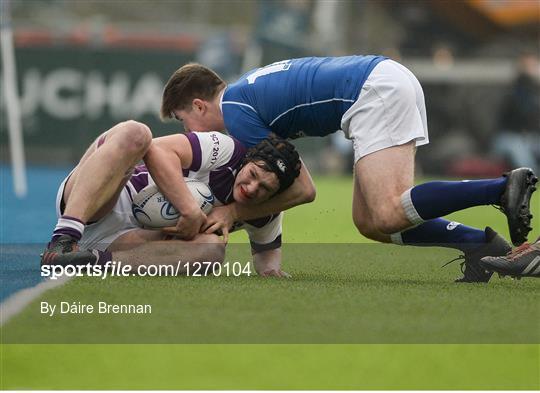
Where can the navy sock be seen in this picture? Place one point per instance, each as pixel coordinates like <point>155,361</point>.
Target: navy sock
<point>439,198</point>
<point>442,233</point>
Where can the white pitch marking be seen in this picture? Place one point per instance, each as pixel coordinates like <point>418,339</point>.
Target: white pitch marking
<point>19,300</point>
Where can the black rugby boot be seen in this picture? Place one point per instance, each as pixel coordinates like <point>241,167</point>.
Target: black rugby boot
<point>515,203</point>
<point>495,245</point>
<point>65,251</point>
<point>524,261</point>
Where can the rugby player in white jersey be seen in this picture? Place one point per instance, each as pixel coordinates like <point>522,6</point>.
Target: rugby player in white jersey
<point>98,226</point>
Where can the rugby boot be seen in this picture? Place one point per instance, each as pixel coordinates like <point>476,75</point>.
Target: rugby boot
<point>65,251</point>
<point>515,203</point>
<point>495,245</point>
<point>524,261</point>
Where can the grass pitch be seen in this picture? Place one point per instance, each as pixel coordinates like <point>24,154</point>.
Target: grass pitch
<point>355,315</point>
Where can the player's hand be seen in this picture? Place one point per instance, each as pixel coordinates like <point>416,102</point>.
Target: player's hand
<point>219,220</point>
<point>188,225</point>
<point>275,273</point>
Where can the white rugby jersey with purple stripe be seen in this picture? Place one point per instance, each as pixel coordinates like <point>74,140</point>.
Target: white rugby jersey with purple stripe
<point>216,160</point>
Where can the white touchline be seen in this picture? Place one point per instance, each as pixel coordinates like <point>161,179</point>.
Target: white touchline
<point>19,300</point>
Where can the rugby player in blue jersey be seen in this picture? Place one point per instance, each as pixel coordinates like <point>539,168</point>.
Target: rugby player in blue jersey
<point>379,104</point>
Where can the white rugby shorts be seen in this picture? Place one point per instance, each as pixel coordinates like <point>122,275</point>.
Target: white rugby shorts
<point>389,111</point>
<point>100,234</point>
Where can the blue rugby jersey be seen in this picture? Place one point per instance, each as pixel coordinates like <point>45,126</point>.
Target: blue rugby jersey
<point>296,97</point>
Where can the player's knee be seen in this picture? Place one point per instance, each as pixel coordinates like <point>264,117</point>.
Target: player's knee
<point>368,232</point>
<point>365,228</point>
<point>386,223</point>
<point>136,138</point>
<point>386,218</point>
<point>213,248</point>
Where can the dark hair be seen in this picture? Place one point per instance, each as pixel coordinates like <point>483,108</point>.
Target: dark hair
<point>277,156</point>
<point>187,83</point>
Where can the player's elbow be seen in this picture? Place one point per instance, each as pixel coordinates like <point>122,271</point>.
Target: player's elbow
<point>309,193</point>
<point>302,193</point>
<point>305,187</point>
<point>308,188</point>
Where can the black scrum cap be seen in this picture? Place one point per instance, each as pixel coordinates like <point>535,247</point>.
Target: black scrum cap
<point>279,156</point>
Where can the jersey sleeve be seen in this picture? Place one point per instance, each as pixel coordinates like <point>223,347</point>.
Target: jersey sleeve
<point>265,233</point>
<point>243,123</point>
<point>211,150</point>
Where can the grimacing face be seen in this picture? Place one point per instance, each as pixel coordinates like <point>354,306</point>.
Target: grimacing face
<point>254,185</point>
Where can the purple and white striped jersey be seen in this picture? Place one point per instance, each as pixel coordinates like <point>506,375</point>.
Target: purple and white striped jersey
<point>216,160</point>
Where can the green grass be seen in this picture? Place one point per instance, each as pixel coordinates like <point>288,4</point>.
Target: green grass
<point>355,315</point>
<point>486,367</point>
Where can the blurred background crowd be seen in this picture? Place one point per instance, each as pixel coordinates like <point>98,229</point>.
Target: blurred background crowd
<point>84,65</point>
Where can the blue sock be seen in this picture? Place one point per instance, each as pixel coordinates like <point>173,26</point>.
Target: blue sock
<point>441,233</point>
<point>439,198</point>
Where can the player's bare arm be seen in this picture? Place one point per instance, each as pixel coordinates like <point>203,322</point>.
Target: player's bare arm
<point>268,263</point>
<point>164,158</point>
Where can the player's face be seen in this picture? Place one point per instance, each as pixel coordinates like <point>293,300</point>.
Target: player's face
<point>202,116</point>
<point>192,121</point>
<point>254,185</point>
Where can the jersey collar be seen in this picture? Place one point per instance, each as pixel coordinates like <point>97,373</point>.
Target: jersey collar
<point>221,99</point>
